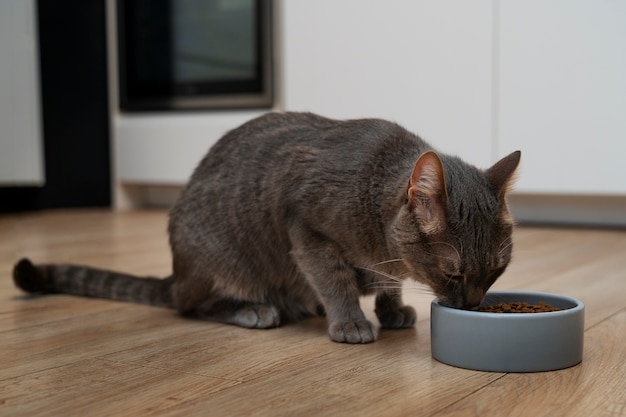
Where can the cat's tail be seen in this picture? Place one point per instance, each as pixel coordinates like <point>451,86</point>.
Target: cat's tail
<point>91,282</point>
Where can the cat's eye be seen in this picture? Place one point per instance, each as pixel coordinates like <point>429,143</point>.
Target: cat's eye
<point>456,278</point>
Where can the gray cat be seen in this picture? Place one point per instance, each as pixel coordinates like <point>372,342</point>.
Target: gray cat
<point>293,215</point>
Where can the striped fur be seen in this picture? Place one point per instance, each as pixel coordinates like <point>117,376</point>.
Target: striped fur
<point>91,282</point>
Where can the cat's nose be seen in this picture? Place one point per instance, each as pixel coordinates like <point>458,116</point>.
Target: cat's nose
<point>472,297</point>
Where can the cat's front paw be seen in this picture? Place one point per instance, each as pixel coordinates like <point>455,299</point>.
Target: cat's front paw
<point>357,331</point>
<point>401,318</point>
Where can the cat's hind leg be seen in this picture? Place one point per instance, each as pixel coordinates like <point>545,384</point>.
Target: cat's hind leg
<point>391,313</point>
<point>195,294</point>
<point>240,313</point>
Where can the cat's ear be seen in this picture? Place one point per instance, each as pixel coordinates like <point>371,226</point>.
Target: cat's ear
<point>501,175</point>
<point>426,192</point>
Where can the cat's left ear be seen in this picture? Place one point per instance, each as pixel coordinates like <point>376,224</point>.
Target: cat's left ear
<point>426,192</point>
<point>501,175</point>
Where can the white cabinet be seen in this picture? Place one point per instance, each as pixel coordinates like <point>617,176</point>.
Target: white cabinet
<point>478,79</point>
<point>561,94</point>
<point>21,157</point>
<point>164,149</point>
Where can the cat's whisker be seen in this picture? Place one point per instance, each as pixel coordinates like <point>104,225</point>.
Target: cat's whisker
<point>495,299</point>
<point>382,286</point>
<point>451,246</point>
<point>522,251</point>
<point>384,274</point>
<point>450,280</point>
<point>439,256</point>
<point>420,289</point>
<point>389,261</point>
<point>391,282</point>
<point>505,245</point>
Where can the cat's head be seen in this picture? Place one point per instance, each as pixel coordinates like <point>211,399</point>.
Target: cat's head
<point>454,230</point>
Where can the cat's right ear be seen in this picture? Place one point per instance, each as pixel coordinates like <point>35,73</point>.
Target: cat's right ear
<point>501,175</point>
<point>426,192</point>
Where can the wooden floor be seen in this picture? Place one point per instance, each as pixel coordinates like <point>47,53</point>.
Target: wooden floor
<point>67,356</point>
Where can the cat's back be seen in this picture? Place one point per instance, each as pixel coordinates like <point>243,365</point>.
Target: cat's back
<point>289,145</point>
<point>307,129</point>
<point>272,128</point>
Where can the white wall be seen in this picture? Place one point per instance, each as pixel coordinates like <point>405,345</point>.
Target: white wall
<point>21,154</point>
<point>424,64</point>
<point>562,94</point>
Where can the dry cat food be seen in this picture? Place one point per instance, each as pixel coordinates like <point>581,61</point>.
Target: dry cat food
<point>519,307</point>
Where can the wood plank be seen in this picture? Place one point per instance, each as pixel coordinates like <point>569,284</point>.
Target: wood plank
<point>26,349</point>
<point>230,352</point>
<point>394,376</point>
<point>93,387</point>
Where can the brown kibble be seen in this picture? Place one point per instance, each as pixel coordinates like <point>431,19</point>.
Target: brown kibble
<point>519,307</point>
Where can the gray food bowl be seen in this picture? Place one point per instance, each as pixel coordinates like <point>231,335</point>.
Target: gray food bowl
<point>509,342</point>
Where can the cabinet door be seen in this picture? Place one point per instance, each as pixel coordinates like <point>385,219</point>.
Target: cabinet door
<point>21,158</point>
<point>561,93</point>
<point>424,64</point>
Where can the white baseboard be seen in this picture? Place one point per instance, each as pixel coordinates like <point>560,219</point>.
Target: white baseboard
<point>584,210</point>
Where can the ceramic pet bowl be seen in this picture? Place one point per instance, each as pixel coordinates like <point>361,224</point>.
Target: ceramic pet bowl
<point>509,342</point>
